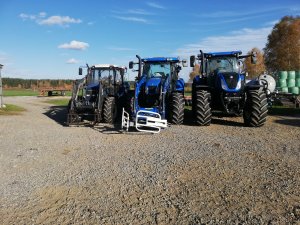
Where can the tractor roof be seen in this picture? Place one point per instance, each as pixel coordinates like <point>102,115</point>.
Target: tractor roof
<point>108,66</point>
<point>161,59</point>
<point>216,54</point>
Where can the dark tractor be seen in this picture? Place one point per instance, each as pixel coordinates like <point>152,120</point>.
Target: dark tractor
<point>221,86</point>
<point>96,97</point>
<point>158,96</point>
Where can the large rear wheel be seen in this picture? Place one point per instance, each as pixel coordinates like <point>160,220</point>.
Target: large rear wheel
<point>201,108</point>
<point>109,110</point>
<point>176,108</point>
<point>256,109</point>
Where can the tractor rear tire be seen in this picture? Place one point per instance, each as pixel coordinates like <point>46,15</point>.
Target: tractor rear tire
<point>201,108</point>
<point>109,110</point>
<point>256,109</point>
<point>176,108</point>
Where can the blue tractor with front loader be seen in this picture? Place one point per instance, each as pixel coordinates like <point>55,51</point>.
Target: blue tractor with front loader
<point>158,96</point>
<point>221,86</point>
<point>97,97</point>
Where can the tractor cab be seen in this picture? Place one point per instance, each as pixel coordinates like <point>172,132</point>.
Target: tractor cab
<point>224,71</point>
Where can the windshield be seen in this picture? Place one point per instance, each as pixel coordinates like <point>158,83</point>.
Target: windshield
<point>222,64</point>
<point>98,74</point>
<point>159,70</point>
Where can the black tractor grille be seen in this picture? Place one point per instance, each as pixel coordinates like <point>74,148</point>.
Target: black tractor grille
<point>231,79</point>
<point>152,90</point>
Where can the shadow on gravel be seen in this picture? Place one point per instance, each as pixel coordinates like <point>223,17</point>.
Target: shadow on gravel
<point>290,122</point>
<point>116,129</point>
<point>58,114</point>
<point>218,118</point>
<point>108,129</point>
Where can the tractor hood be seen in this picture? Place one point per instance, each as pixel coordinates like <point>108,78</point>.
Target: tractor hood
<point>153,82</point>
<point>93,86</point>
<point>152,85</point>
<point>230,81</point>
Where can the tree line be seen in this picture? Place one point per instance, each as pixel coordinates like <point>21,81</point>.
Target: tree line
<point>34,83</point>
<point>282,50</point>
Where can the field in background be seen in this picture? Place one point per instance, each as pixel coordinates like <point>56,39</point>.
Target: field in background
<point>11,110</point>
<point>25,92</point>
<point>20,92</point>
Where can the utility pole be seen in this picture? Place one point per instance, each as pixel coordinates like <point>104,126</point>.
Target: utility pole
<point>1,93</point>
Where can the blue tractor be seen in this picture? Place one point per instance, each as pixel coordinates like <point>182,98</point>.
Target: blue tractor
<point>158,96</point>
<point>97,97</point>
<point>221,86</point>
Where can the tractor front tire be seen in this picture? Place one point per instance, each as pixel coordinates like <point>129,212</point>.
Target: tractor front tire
<point>129,103</point>
<point>256,109</point>
<point>201,108</point>
<point>176,108</point>
<point>109,110</point>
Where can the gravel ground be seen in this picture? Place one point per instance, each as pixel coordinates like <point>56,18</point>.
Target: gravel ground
<point>222,174</point>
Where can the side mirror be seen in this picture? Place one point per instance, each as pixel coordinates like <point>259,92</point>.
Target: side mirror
<point>130,64</point>
<point>184,63</point>
<point>253,58</point>
<point>80,71</point>
<point>192,61</point>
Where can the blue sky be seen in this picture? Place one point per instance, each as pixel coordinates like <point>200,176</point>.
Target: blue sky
<point>52,38</point>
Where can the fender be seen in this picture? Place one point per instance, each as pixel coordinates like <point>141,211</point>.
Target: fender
<point>180,85</point>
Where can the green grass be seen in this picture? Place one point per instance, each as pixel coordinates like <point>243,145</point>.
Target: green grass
<point>20,92</point>
<point>11,110</point>
<point>58,102</point>
<point>26,92</point>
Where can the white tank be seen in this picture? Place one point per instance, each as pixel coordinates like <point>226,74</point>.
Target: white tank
<point>269,80</point>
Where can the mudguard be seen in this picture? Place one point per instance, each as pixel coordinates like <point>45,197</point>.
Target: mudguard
<point>180,85</point>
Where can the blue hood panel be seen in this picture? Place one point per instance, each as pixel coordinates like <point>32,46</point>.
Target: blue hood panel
<point>93,86</point>
<point>153,82</point>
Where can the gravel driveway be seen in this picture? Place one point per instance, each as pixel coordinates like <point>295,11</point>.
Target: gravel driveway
<point>222,174</point>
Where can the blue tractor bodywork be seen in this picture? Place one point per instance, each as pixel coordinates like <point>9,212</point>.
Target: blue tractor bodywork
<point>156,84</point>
<point>221,86</point>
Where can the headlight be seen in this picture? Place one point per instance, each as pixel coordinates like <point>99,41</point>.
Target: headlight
<point>239,84</point>
<point>223,85</point>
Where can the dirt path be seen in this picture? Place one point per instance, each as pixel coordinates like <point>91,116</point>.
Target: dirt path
<point>222,174</point>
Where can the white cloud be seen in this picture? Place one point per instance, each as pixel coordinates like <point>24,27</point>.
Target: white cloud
<point>36,18</point>
<point>42,14</point>
<point>133,19</point>
<point>155,5</point>
<point>72,61</point>
<point>58,20</point>
<point>243,40</point>
<point>133,12</point>
<point>139,12</point>
<point>91,23</point>
<point>52,20</point>
<point>75,45</point>
<point>24,16</point>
